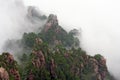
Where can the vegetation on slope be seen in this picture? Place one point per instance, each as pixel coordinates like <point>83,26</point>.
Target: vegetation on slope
<point>53,54</point>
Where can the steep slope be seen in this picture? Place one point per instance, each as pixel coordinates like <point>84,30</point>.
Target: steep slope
<point>46,63</point>
<point>8,67</point>
<point>61,58</point>
<point>53,34</point>
<point>52,54</point>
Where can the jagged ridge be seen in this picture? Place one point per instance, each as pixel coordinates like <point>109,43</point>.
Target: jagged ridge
<point>54,54</point>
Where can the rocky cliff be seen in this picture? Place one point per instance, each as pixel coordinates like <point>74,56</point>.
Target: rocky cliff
<point>9,69</point>
<point>52,54</point>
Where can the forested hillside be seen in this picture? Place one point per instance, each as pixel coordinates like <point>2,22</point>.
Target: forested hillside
<point>51,54</point>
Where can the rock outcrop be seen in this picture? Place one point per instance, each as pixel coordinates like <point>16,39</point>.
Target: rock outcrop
<point>9,66</point>
<point>52,54</point>
<point>52,69</point>
<point>39,59</point>
<point>3,74</point>
<point>31,76</point>
<point>51,22</point>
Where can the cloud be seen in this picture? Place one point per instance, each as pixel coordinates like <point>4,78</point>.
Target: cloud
<point>14,20</point>
<point>11,19</point>
<point>98,19</point>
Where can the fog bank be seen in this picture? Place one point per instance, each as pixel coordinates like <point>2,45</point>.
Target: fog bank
<point>15,19</point>
<point>98,19</point>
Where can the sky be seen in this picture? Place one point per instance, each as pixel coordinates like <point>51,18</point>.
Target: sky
<point>99,21</point>
<point>9,21</point>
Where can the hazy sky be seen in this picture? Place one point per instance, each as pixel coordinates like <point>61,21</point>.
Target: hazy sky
<point>98,19</point>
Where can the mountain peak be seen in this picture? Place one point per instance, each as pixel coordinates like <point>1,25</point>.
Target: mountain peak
<point>52,21</point>
<point>51,54</point>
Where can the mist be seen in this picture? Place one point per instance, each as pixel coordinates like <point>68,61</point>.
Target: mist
<point>15,19</point>
<point>99,22</point>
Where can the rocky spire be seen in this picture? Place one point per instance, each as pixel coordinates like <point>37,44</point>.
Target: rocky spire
<point>51,22</point>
